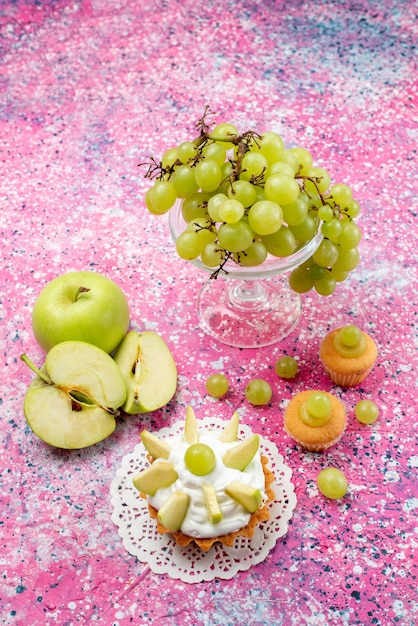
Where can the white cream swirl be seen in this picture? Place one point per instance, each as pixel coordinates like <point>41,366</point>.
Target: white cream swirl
<point>234,516</point>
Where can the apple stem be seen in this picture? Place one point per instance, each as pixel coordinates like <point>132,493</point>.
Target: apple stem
<point>35,369</point>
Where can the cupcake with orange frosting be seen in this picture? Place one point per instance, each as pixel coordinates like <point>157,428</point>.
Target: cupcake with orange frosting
<point>348,355</point>
<point>315,419</point>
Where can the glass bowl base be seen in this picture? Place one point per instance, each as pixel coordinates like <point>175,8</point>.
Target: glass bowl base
<point>248,313</point>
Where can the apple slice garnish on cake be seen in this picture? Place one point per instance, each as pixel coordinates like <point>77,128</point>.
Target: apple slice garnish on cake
<point>157,476</point>
<point>174,510</point>
<point>230,432</point>
<point>240,456</point>
<point>246,495</point>
<point>212,504</point>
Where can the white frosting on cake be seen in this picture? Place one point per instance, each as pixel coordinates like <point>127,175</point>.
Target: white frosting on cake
<point>234,516</point>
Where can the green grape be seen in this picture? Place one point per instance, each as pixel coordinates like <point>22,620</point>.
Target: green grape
<point>195,206</point>
<point>350,335</point>
<point>217,385</point>
<point>296,212</point>
<point>341,193</point>
<point>212,255</point>
<point>213,206</point>
<point>279,167</point>
<point>305,230</point>
<point>350,235</point>
<point>318,404</point>
<point>325,286</point>
<point>255,254</point>
<point>235,237</point>
<point>223,132</point>
<point>253,165</point>
<point>348,259</point>
<point>258,392</point>
<point>281,243</point>
<point>339,275</point>
<point>204,229</point>
<point>216,152</point>
<point>352,208</point>
<point>162,196</point>
<point>332,229</point>
<point>149,206</point>
<point>286,367</point>
<point>304,159</point>
<point>231,211</point>
<point>272,146</point>
<point>325,213</point>
<point>321,180</point>
<point>184,181</point>
<point>316,272</point>
<point>332,483</point>
<point>300,280</point>
<point>326,254</point>
<point>366,411</point>
<point>281,189</point>
<point>200,459</point>
<point>186,151</point>
<point>188,245</point>
<point>208,175</point>
<point>287,156</point>
<point>265,217</point>
<point>169,158</point>
<point>243,191</point>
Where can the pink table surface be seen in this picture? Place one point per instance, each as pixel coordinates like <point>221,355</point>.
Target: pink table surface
<point>88,91</point>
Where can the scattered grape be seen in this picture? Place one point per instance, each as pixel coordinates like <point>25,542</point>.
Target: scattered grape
<point>286,367</point>
<point>217,385</point>
<point>199,459</point>
<point>258,392</point>
<point>366,411</point>
<point>332,483</point>
<point>258,199</point>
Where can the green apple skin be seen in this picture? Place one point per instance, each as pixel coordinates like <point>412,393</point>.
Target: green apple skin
<point>173,511</point>
<point>78,407</point>
<point>81,306</point>
<point>242,453</point>
<point>149,370</point>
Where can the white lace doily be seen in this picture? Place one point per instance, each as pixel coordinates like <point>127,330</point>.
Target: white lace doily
<point>191,564</point>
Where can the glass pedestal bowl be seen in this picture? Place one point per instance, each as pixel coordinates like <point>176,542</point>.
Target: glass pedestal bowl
<point>248,307</point>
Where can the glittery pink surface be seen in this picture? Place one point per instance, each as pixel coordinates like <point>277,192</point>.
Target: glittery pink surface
<point>88,91</point>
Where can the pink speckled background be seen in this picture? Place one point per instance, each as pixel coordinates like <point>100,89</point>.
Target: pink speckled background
<point>88,91</point>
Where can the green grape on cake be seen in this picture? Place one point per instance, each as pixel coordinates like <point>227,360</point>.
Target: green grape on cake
<point>246,199</point>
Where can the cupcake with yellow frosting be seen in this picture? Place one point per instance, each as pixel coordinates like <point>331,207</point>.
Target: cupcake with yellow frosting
<point>315,419</point>
<point>205,485</point>
<point>348,355</point>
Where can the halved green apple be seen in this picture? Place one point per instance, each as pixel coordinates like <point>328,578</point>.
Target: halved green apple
<point>149,371</point>
<point>240,455</point>
<point>173,511</point>
<point>73,401</point>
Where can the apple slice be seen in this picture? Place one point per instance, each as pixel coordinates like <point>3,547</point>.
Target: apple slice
<point>249,497</point>
<point>191,427</point>
<point>173,511</point>
<point>157,448</point>
<point>212,504</point>
<point>230,432</point>
<point>149,371</point>
<point>242,453</point>
<point>157,476</point>
<point>73,401</point>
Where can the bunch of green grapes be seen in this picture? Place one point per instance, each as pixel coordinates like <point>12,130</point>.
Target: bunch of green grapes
<point>245,196</point>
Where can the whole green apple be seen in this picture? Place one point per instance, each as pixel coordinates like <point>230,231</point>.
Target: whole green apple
<point>81,306</point>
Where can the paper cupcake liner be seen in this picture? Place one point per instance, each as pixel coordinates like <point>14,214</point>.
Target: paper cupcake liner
<point>347,380</point>
<point>316,447</point>
<point>163,555</point>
